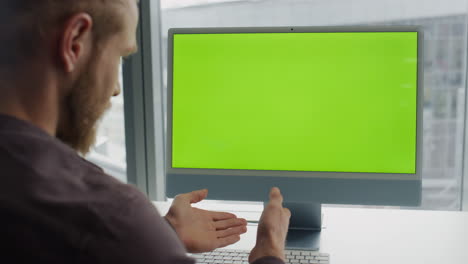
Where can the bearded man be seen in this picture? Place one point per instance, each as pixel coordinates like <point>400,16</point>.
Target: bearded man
<point>59,64</point>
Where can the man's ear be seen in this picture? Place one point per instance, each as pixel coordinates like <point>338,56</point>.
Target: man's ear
<point>76,38</point>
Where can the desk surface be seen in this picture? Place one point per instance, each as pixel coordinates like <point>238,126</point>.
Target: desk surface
<point>376,236</point>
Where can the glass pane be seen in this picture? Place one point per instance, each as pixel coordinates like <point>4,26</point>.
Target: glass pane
<point>109,151</point>
<point>445,26</point>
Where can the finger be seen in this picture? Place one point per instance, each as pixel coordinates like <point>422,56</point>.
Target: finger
<point>217,216</point>
<point>193,197</point>
<point>225,224</point>
<point>226,241</point>
<point>275,196</point>
<point>231,231</point>
<point>197,196</point>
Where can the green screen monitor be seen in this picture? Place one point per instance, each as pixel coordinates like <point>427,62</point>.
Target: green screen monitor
<point>328,114</point>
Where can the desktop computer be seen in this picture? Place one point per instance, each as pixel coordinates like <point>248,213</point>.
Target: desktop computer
<point>327,114</point>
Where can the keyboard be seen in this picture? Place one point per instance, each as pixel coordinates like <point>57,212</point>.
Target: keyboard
<point>232,256</point>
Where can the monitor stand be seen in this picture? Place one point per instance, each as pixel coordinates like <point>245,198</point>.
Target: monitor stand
<point>305,226</point>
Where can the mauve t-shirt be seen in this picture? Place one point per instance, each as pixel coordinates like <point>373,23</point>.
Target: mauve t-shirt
<point>56,207</point>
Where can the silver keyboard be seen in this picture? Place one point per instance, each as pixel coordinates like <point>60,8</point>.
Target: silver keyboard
<point>232,256</point>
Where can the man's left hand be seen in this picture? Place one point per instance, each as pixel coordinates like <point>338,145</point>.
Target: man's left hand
<point>201,230</point>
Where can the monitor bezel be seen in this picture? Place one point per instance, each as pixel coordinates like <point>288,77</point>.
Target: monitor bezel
<point>185,175</point>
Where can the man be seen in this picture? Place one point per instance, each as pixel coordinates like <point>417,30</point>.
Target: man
<point>59,63</point>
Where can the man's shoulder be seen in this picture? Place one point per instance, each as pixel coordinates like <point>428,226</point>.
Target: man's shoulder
<point>34,161</point>
<point>40,166</point>
<point>72,201</point>
<point>43,161</point>
<point>28,146</point>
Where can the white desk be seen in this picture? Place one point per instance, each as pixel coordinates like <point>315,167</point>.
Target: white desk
<point>377,236</point>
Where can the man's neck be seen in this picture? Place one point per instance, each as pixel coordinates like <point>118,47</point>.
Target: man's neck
<point>33,99</point>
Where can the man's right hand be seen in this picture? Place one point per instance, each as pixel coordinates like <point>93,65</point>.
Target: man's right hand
<point>272,229</point>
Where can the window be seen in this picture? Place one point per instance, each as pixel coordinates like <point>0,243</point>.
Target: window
<point>109,150</point>
<point>445,27</point>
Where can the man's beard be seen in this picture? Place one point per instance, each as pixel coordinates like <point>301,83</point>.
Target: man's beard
<point>79,118</point>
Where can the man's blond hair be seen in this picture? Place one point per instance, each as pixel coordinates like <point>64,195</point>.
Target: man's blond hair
<point>25,23</point>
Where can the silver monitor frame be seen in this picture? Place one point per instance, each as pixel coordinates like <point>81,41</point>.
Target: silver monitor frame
<point>299,186</point>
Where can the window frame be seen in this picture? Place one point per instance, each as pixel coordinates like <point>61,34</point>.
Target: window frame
<point>143,108</point>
